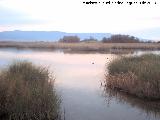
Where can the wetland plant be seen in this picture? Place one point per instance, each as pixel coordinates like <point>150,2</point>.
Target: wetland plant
<point>27,93</point>
<point>136,75</point>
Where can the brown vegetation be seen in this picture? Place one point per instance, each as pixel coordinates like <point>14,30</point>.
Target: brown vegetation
<point>27,93</point>
<point>138,75</point>
<point>83,46</point>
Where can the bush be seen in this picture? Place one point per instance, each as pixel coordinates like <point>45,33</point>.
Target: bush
<point>121,39</point>
<point>138,75</point>
<point>27,93</point>
<point>90,40</point>
<point>70,39</point>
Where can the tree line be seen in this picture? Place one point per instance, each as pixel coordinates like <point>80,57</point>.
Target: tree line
<point>121,39</point>
<point>118,38</point>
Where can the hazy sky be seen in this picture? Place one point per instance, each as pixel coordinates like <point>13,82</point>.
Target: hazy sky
<point>74,16</point>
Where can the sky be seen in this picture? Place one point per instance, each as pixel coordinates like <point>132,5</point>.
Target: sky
<point>74,16</point>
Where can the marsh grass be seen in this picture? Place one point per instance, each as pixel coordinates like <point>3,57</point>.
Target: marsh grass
<point>82,46</point>
<point>136,75</point>
<point>27,93</point>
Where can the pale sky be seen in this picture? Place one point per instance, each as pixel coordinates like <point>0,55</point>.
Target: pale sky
<point>74,16</point>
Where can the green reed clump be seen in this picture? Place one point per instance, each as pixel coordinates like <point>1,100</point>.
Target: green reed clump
<point>27,93</point>
<point>137,75</point>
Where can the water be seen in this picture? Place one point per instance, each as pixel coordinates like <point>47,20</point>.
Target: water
<point>78,82</point>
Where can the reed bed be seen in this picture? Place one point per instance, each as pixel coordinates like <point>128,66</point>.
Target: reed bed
<point>82,46</point>
<point>27,93</point>
<point>136,75</point>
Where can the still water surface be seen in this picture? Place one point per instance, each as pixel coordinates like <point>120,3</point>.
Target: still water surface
<point>78,82</point>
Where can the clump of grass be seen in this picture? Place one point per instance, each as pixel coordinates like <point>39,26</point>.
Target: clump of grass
<point>27,93</point>
<point>136,75</point>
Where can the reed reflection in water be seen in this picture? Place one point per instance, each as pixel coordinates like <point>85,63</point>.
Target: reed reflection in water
<point>150,108</point>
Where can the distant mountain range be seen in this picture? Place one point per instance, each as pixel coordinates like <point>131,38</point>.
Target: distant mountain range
<point>46,35</point>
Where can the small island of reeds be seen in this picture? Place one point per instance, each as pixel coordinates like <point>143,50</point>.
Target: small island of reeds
<point>136,75</point>
<point>27,93</point>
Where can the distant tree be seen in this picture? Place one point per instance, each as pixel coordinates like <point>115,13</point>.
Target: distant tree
<point>149,41</point>
<point>158,42</point>
<point>104,39</point>
<point>91,39</point>
<point>70,39</point>
<point>121,39</point>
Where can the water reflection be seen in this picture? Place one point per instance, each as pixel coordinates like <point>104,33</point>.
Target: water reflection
<point>69,51</point>
<point>150,108</point>
<point>78,82</point>
<point>109,51</point>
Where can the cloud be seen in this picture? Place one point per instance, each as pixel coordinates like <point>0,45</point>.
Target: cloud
<point>73,16</point>
<point>10,17</point>
<point>156,18</point>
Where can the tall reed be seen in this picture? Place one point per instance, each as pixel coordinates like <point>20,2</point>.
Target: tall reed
<point>27,93</point>
<point>137,75</point>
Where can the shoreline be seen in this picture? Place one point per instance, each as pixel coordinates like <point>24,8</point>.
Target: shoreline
<point>103,47</point>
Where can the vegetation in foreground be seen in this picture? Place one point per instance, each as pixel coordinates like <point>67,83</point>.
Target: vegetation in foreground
<point>136,75</point>
<point>27,93</point>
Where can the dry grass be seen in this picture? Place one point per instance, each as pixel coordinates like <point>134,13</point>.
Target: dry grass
<point>82,46</point>
<point>138,75</point>
<point>27,93</point>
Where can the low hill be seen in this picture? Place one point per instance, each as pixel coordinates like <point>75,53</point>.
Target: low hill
<point>46,35</point>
